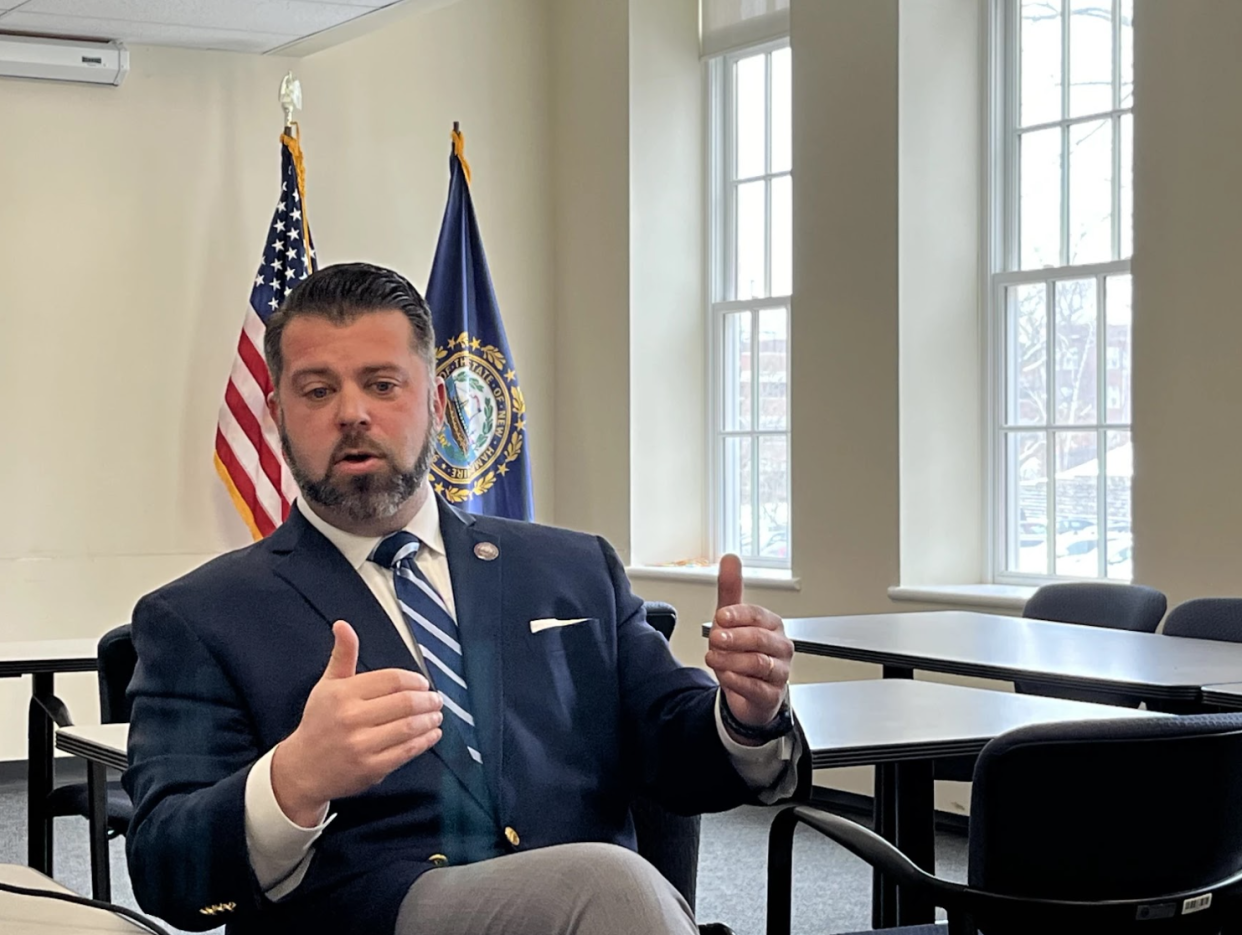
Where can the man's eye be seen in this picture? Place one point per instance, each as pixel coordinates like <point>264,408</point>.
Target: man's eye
<point>318,392</point>
<point>384,386</point>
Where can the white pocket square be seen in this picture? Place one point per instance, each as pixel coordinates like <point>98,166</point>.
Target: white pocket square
<point>547,623</point>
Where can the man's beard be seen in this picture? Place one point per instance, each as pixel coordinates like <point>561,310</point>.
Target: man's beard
<point>362,497</point>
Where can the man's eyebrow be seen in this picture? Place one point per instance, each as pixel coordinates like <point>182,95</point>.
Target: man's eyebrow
<point>311,372</point>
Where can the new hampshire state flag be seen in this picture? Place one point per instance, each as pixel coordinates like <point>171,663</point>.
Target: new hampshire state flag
<point>481,463</point>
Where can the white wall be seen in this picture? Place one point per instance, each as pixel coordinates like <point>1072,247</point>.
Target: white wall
<point>1187,327</point>
<point>668,350</point>
<point>940,151</point>
<point>131,222</point>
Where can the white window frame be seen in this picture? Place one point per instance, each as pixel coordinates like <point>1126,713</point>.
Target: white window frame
<point>1001,271</point>
<point>721,289</point>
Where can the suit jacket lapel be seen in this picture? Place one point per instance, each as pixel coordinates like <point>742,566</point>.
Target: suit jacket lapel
<point>318,570</point>
<point>477,595</point>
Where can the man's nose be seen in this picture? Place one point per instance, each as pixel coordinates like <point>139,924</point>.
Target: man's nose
<point>352,407</point>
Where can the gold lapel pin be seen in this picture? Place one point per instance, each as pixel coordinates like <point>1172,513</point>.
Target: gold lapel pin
<point>487,551</point>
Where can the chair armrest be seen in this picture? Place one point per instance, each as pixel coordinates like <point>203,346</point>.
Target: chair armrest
<point>860,841</point>
<point>54,708</point>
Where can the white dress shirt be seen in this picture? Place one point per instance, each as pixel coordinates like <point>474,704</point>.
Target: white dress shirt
<point>280,850</point>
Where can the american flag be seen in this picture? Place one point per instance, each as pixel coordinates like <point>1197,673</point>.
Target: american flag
<point>248,457</point>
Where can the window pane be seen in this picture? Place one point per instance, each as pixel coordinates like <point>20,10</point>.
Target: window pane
<point>751,116</point>
<point>782,235</point>
<point>738,383</point>
<point>1039,211</point>
<point>751,237</point>
<point>1076,367</point>
<point>1041,62</point>
<point>1091,57</point>
<point>773,369</point>
<point>1120,466</point>
<point>1126,206</point>
<point>774,496</point>
<point>1078,496</point>
<point>782,110</point>
<point>737,476</point>
<point>1027,454</point>
<point>1117,319</point>
<point>1091,192</point>
<point>1127,53</point>
<point>1028,354</point>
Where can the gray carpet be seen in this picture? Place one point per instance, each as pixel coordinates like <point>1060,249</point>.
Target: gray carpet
<point>832,889</point>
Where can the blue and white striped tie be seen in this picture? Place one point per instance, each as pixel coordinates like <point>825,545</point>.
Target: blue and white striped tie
<point>434,630</point>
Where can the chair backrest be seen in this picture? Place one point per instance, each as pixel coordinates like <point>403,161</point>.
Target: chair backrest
<point>1131,808</point>
<point>668,841</point>
<point>1207,618</point>
<point>1133,607</point>
<point>1098,604</point>
<point>116,662</point>
<point>662,616</point>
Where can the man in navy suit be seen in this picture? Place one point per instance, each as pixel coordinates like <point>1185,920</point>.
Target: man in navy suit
<point>392,717</point>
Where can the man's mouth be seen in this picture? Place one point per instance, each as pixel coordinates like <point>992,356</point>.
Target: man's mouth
<point>359,458</point>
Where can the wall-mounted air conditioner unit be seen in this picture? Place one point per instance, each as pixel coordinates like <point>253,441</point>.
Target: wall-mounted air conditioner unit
<point>63,60</point>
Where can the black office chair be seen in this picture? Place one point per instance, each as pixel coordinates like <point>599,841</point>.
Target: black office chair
<point>1207,618</point>
<point>1132,607</point>
<point>1065,836</point>
<point>115,667</point>
<point>668,841</point>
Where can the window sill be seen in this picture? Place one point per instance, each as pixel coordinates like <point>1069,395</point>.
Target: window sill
<point>777,579</point>
<point>1005,597</point>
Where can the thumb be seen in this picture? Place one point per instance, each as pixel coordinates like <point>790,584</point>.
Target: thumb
<point>729,582</point>
<point>344,661</point>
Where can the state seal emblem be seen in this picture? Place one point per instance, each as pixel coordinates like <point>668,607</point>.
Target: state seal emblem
<point>484,419</point>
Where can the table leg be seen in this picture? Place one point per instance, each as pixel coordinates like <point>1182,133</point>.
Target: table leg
<point>97,790</point>
<point>916,834</point>
<point>883,890</point>
<point>39,776</point>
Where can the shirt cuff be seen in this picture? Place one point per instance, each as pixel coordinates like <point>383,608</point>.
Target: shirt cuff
<point>280,851</point>
<point>770,770</point>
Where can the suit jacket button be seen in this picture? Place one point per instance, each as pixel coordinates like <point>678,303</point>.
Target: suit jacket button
<point>439,860</point>
<point>512,837</point>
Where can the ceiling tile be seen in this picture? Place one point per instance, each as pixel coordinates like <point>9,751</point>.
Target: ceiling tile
<point>149,33</point>
<point>368,4</point>
<point>275,17</point>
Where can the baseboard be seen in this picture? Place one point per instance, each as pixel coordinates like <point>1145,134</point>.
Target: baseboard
<point>862,806</point>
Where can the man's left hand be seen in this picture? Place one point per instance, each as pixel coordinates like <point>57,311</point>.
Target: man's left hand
<point>748,650</point>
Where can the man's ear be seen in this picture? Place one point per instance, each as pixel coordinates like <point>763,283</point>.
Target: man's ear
<point>439,401</point>
<point>273,407</point>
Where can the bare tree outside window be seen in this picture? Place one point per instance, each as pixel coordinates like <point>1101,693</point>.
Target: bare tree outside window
<point>1060,293</point>
<point>751,279</point>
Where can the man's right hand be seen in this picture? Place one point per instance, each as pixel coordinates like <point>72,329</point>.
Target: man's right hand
<point>355,730</point>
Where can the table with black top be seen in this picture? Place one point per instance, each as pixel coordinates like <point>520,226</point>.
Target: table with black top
<point>1162,669</point>
<point>1224,696</point>
<point>101,746</point>
<point>42,659</point>
<point>900,726</point>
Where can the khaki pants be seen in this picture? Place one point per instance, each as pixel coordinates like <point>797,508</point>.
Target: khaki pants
<point>569,889</point>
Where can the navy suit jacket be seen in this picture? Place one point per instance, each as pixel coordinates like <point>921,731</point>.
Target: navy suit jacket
<point>572,721</point>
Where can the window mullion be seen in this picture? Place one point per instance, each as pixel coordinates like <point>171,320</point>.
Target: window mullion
<point>754,432</point>
<point>1101,406</point>
<point>1050,416</point>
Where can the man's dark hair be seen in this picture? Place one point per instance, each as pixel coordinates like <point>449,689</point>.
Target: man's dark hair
<point>340,294</point>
